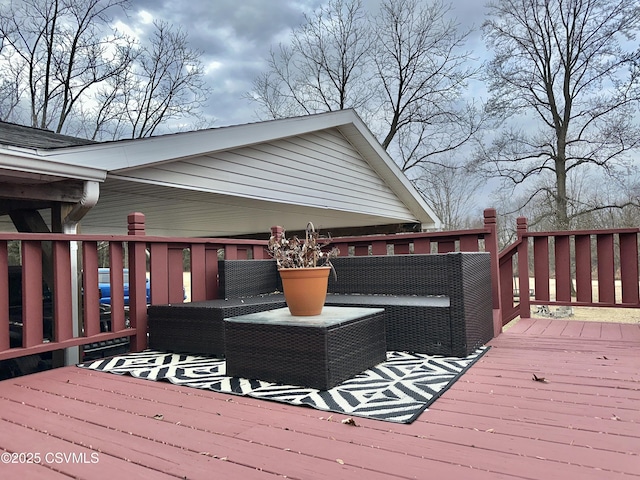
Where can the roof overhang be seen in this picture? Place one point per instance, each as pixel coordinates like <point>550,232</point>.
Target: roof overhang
<point>114,164</point>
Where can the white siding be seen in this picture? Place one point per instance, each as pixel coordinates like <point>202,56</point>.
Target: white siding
<point>320,169</point>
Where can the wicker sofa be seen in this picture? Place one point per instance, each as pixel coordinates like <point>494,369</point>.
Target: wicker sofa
<point>434,304</point>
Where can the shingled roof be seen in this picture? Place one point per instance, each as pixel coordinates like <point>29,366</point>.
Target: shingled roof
<point>29,137</point>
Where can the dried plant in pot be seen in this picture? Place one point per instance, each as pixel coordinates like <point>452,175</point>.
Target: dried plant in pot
<point>304,267</point>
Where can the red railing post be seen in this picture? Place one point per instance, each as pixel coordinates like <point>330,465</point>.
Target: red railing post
<point>523,267</point>
<point>4,296</point>
<point>491,246</point>
<point>137,281</point>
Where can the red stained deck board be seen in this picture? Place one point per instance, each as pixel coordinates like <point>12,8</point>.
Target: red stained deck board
<point>555,327</point>
<point>630,332</point>
<point>493,423</point>
<point>556,435</point>
<point>522,390</point>
<point>499,444</point>
<point>196,432</point>
<point>117,443</point>
<point>329,446</point>
<point>31,471</point>
<point>592,330</point>
<point>561,404</point>
<point>536,328</point>
<point>612,332</point>
<point>18,438</point>
<point>573,329</point>
<point>548,418</point>
<point>417,455</point>
<point>442,460</point>
<point>625,379</point>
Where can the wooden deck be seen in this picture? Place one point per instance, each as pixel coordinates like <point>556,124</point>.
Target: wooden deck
<point>582,422</point>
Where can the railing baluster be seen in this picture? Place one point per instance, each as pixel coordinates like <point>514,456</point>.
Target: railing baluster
<point>401,248</point>
<point>198,268</point>
<point>116,266</point>
<point>137,280</point>
<point>446,246</point>
<point>159,265</point>
<point>629,268</point>
<point>541,268</point>
<point>62,304</point>
<point>31,293</point>
<point>231,252</point>
<point>211,260</point>
<point>378,247</point>
<point>362,250</point>
<point>175,277</point>
<point>606,269</point>
<point>422,245</point>
<point>563,268</point>
<point>259,252</point>
<point>91,313</point>
<point>584,289</point>
<point>469,244</point>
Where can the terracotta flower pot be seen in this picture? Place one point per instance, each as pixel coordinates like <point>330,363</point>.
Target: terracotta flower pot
<point>305,289</point>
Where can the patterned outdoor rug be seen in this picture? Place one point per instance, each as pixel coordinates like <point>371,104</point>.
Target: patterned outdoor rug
<point>397,390</point>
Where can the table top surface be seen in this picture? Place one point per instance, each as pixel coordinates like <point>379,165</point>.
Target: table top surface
<point>330,316</point>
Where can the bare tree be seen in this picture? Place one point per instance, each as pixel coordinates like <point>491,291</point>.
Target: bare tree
<point>323,69</point>
<point>9,98</point>
<point>404,70</point>
<point>62,62</point>
<point>422,71</point>
<point>452,192</point>
<point>570,90</point>
<point>165,83</point>
<point>58,51</point>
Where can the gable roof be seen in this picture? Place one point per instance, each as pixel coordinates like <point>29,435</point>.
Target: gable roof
<point>327,168</point>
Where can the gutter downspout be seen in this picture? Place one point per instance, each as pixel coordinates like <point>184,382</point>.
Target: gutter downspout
<point>90,195</point>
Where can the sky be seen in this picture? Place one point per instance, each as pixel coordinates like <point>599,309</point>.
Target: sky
<point>235,37</point>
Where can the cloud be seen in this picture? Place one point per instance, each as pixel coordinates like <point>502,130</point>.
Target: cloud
<point>235,37</point>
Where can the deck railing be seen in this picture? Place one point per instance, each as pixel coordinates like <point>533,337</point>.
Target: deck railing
<point>161,260</point>
<point>579,268</point>
<point>575,268</point>
<point>158,258</point>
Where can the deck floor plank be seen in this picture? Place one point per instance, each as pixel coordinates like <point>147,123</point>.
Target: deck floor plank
<point>496,422</point>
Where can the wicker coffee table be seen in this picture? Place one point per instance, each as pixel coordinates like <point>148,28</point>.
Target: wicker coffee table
<point>317,352</point>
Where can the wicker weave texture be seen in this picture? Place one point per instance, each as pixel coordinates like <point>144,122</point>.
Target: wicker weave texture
<point>198,327</point>
<point>409,287</point>
<point>312,356</point>
<point>246,278</point>
<point>464,278</point>
<point>477,302</point>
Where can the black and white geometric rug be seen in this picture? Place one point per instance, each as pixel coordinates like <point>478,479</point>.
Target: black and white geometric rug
<point>397,390</point>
